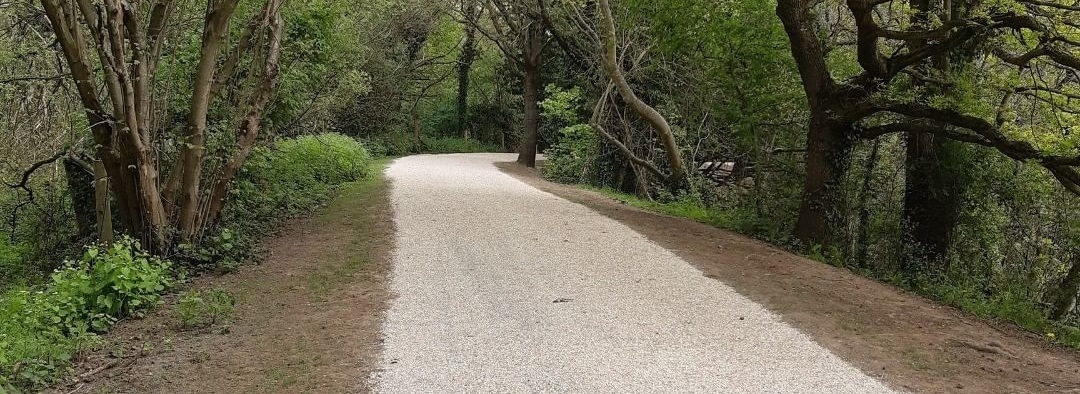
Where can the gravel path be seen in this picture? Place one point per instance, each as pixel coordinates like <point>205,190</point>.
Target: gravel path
<point>502,288</point>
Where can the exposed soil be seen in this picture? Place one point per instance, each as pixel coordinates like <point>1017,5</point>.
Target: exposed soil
<point>909,342</point>
<point>306,319</point>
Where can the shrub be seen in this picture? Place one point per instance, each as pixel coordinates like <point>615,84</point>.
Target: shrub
<point>391,144</point>
<point>13,267</point>
<point>568,161</point>
<point>279,182</point>
<point>455,145</point>
<point>41,331</point>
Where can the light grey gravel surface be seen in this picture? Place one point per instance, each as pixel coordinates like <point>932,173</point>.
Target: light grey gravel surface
<point>503,288</point>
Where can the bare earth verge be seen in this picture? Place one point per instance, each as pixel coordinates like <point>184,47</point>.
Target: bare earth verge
<point>306,319</point>
<point>906,340</point>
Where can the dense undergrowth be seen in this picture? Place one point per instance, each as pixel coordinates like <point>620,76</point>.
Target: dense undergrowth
<point>44,328</point>
<point>397,144</point>
<point>1004,305</point>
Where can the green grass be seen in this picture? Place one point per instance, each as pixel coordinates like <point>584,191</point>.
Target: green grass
<point>353,200</point>
<point>729,219</point>
<point>205,309</point>
<point>1005,306</point>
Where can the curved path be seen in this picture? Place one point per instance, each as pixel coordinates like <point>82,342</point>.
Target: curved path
<point>503,288</point>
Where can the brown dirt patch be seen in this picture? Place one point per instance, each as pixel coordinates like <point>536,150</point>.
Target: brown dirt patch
<point>306,320</point>
<point>910,342</point>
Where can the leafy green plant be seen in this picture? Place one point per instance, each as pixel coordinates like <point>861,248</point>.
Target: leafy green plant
<point>42,330</point>
<point>223,251</point>
<point>106,284</point>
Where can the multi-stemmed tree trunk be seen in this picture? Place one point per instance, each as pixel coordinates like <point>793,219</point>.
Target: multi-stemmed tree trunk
<point>610,60</point>
<point>107,43</point>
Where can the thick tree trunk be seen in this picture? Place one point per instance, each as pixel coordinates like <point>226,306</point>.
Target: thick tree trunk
<point>464,66</point>
<point>827,157</point>
<point>1067,292</point>
<point>531,96</point>
<point>931,207</point>
<point>931,195</point>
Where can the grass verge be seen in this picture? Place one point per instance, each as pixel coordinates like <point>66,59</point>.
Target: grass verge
<point>1005,307</point>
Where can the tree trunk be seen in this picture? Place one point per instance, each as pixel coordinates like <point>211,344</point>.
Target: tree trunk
<point>678,179</point>
<point>80,182</point>
<point>102,204</point>
<point>465,61</point>
<point>252,121</point>
<point>530,94</point>
<point>931,195</point>
<point>827,157</point>
<point>862,245</point>
<point>931,204</point>
<point>1067,292</point>
<point>194,147</point>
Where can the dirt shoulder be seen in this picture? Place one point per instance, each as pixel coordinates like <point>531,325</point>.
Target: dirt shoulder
<point>306,320</point>
<point>908,341</point>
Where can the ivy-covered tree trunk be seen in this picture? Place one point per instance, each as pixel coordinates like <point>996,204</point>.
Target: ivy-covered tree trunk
<point>828,152</point>
<point>931,194</point>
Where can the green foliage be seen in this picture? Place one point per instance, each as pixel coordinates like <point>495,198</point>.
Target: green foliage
<point>13,267</point>
<point>691,207</point>
<point>223,251</point>
<point>455,145</point>
<point>36,236</point>
<point>106,284</point>
<point>203,309</point>
<point>571,159</point>
<point>290,178</point>
<point>390,144</point>
<point>1007,305</point>
<point>41,331</point>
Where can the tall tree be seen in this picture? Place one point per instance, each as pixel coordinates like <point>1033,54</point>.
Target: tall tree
<point>932,186</point>
<point>887,50</point>
<point>518,29</point>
